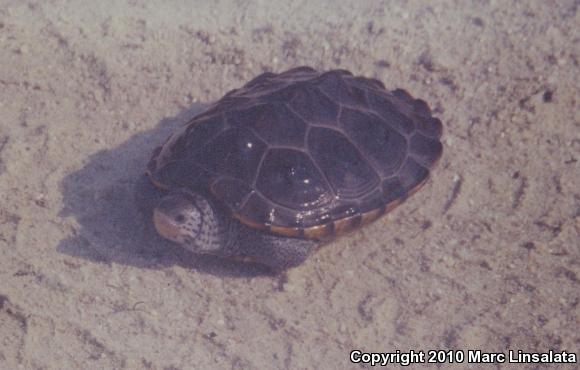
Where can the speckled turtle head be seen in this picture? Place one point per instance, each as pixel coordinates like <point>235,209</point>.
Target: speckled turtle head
<point>296,157</point>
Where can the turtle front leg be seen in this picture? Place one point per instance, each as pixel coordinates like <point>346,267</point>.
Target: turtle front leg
<point>276,252</point>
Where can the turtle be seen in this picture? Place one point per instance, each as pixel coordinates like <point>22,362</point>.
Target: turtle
<point>288,162</point>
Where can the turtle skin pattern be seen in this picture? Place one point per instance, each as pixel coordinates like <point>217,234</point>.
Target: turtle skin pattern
<point>303,153</point>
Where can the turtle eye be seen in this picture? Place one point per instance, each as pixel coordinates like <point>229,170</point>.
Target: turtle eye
<point>179,218</point>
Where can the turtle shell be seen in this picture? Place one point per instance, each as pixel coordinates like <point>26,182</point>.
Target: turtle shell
<point>304,153</point>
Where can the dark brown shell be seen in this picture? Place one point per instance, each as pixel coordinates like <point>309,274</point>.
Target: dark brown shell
<point>304,153</point>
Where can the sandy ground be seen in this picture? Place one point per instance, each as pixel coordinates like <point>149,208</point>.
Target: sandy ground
<point>486,256</point>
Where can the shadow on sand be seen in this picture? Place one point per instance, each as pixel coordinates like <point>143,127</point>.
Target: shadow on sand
<point>101,197</point>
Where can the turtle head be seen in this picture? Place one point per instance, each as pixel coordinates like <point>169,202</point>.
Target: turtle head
<point>189,219</point>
